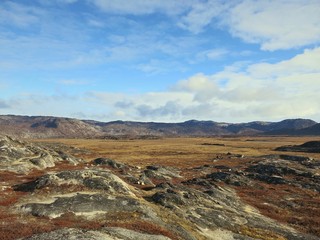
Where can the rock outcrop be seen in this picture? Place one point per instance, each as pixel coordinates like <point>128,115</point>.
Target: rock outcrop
<point>19,156</point>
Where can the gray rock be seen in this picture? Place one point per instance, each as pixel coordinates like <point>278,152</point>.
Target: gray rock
<point>109,162</point>
<point>126,234</point>
<point>90,178</point>
<point>102,234</point>
<point>161,173</point>
<point>71,234</point>
<point>83,204</point>
<point>168,199</point>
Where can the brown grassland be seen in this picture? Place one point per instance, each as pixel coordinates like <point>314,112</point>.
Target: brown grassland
<point>180,152</point>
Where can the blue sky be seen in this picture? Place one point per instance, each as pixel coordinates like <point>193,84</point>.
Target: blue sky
<point>161,60</point>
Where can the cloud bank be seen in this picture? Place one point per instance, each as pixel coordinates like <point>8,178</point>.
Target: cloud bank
<point>275,91</point>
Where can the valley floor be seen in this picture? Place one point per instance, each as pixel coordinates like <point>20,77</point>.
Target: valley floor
<point>184,152</point>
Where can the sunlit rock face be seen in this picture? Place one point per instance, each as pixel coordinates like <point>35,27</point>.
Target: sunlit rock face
<point>19,156</point>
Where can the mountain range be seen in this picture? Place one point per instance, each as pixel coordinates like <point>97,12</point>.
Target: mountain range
<point>58,127</point>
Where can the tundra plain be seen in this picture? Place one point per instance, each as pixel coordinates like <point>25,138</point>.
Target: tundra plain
<point>277,191</point>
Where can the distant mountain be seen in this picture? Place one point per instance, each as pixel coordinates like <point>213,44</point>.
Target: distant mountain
<point>313,130</point>
<point>296,127</point>
<point>57,127</point>
<point>188,128</point>
<point>47,127</point>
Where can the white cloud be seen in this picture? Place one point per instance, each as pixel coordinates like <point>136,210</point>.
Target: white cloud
<point>203,86</point>
<point>308,62</point>
<point>284,89</point>
<point>275,24</point>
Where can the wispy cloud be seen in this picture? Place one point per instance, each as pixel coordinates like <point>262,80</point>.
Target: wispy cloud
<point>19,15</point>
<point>273,24</point>
<point>53,2</point>
<point>202,14</point>
<point>139,7</point>
<point>156,67</point>
<point>212,54</point>
<point>71,82</point>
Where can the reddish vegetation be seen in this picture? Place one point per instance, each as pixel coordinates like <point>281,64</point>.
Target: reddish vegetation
<point>70,220</point>
<point>9,197</point>
<point>13,226</point>
<point>145,227</point>
<point>295,206</point>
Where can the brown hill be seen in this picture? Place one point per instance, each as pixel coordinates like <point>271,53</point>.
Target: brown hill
<point>47,127</point>
<point>57,127</point>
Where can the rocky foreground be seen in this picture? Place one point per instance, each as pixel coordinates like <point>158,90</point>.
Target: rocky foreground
<point>49,194</point>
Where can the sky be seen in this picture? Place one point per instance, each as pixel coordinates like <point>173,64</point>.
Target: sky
<point>161,60</point>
